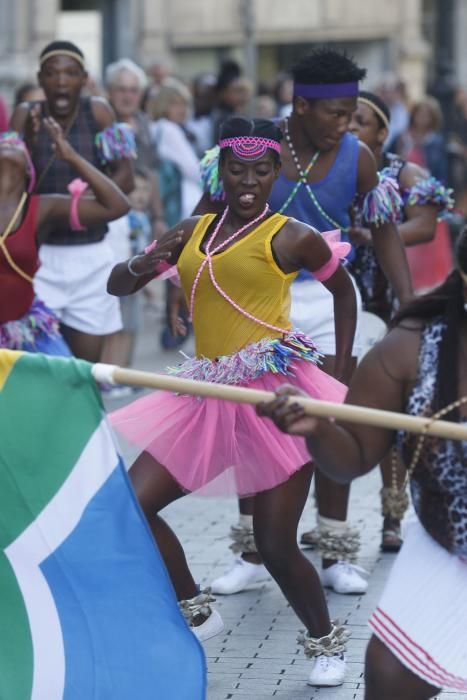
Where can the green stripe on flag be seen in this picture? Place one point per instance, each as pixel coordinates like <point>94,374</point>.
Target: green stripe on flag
<point>50,395</point>
<point>46,407</point>
<point>15,639</point>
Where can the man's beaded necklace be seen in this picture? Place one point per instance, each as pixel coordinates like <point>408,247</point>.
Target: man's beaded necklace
<point>303,175</point>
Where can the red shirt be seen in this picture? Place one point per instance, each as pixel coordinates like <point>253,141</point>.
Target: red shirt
<point>16,293</point>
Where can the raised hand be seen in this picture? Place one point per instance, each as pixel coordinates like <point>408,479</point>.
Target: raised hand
<point>157,253</point>
<point>62,147</point>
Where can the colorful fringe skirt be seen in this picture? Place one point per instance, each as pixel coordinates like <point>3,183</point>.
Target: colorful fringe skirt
<point>220,447</point>
<point>37,331</point>
<point>422,615</point>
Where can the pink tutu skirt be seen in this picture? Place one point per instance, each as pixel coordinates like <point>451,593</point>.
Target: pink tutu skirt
<point>221,447</point>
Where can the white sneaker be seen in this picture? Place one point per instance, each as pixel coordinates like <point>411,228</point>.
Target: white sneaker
<point>210,627</point>
<point>241,576</point>
<point>327,670</point>
<point>344,578</point>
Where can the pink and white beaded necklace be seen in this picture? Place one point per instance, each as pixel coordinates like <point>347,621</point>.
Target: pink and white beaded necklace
<point>208,261</point>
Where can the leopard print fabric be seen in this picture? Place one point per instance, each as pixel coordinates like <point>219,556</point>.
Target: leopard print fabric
<point>439,481</point>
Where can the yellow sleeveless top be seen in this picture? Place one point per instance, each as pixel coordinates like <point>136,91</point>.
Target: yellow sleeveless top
<point>249,275</point>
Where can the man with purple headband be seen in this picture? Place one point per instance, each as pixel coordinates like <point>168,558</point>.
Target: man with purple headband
<point>325,171</point>
<point>75,263</point>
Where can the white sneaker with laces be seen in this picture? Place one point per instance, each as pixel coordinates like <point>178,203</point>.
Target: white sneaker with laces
<point>327,670</point>
<point>344,578</point>
<point>210,627</point>
<point>242,575</point>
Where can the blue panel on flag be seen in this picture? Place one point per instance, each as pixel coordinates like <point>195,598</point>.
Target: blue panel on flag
<point>123,633</point>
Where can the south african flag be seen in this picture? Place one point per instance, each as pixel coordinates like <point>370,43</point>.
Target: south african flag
<point>87,611</point>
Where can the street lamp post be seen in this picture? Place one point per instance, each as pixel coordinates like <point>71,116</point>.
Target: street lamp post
<point>445,84</point>
<point>248,19</point>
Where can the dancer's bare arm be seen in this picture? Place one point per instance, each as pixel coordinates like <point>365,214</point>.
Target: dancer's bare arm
<point>383,380</point>
<point>420,226</point>
<point>145,266</point>
<point>420,223</point>
<point>108,203</point>
<point>299,246</point>
<point>387,243</point>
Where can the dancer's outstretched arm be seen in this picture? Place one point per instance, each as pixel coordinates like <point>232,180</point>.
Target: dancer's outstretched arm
<point>344,451</point>
<point>131,275</point>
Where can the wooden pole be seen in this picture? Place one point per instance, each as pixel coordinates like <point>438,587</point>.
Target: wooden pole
<point>325,409</point>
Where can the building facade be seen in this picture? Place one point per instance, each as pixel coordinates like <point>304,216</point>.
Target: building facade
<point>195,34</point>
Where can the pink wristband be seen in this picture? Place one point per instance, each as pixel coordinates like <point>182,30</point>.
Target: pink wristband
<point>76,189</point>
<point>164,270</point>
<point>162,266</point>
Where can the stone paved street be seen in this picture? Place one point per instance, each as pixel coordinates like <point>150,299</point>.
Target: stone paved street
<point>257,657</point>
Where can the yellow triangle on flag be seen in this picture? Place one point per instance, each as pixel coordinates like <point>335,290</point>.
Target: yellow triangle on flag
<point>7,360</point>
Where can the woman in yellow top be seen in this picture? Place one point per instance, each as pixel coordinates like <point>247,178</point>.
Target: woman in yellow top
<point>236,270</point>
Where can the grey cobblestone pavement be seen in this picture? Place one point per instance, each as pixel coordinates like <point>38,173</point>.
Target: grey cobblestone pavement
<point>256,657</point>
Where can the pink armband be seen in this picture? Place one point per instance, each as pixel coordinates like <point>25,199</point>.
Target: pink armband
<point>328,269</point>
<point>339,250</point>
<point>164,270</point>
<point>76,189</point>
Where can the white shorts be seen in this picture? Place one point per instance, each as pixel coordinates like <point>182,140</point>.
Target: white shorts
<point>312,311</point>
<point>72,281</point>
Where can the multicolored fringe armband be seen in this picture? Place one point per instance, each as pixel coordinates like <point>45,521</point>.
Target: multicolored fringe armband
<point>431,191</point>
<point>275,355</point>
<point>37,322</point>
<point>116,142</point>
<point>383,204</point>
<point>210,180</point>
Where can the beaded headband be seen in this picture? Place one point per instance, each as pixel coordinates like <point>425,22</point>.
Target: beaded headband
<point>13,138</point>
<point>376,109</point>
<point>328,91</point>
<point>249,147</point>
<point>62,52</point>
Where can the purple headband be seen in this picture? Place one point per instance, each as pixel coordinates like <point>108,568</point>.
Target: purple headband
<point>249,147</point>
<point>327,91</point>
<point>14,138</point>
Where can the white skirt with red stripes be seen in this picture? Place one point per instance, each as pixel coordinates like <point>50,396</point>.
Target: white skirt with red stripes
<point>422,615</point>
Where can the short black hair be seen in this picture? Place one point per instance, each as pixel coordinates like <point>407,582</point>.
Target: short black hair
<point>380,104</point>
<point>229,71</point>
<point>67,46</point>
<point>326,66</point>
<point>239,126</point>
